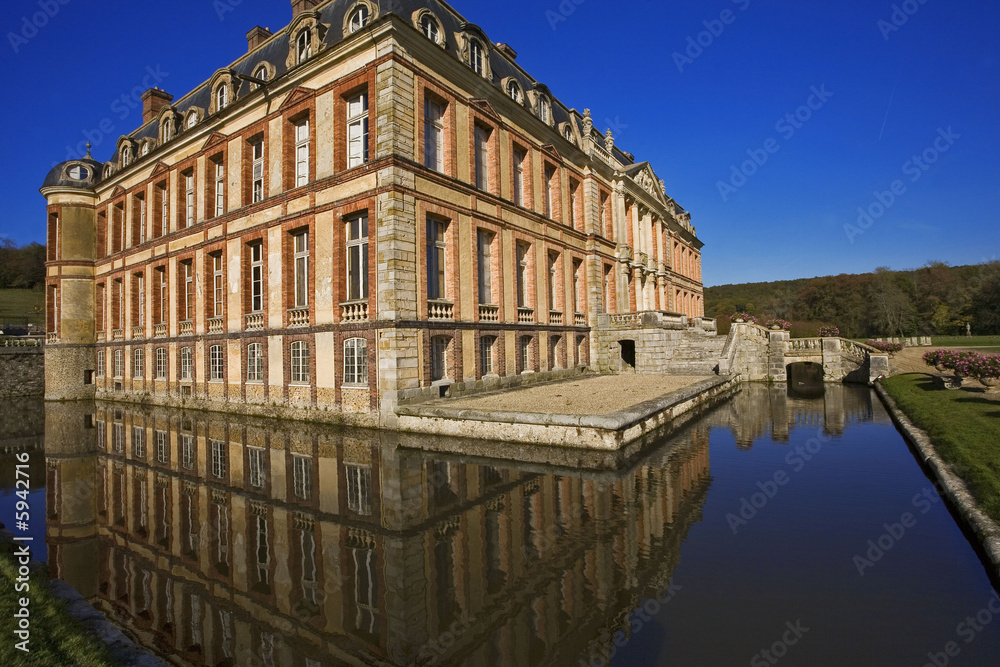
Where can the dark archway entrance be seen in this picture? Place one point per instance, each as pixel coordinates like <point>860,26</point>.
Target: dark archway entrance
<point>628,352</point>
<point>805,380</point>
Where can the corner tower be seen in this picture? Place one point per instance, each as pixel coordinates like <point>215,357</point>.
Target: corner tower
<point>71,247</point>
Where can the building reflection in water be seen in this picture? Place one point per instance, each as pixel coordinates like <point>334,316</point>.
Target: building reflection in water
<point>223,540</point>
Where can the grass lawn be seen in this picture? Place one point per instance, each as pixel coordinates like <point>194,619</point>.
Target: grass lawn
<point>965,427</point>
<point>56,639</point>
<point>966,341</point>
<point>18,306</point>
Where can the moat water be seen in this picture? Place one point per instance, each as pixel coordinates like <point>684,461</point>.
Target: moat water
<point>773,529</point>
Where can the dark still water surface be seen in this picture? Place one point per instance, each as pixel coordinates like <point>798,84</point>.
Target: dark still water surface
<point>773,530</point>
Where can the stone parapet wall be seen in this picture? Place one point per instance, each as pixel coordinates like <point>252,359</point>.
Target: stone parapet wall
<point>22,372</point>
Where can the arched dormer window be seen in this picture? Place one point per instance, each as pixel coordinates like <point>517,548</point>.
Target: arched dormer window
<point>428,24</point>
<point>168,124</point>
<point>303,46</point>
<point>221,98</point>
<point>126,155</point>
<point>359,18</point>
<point>223,87</point>
<point>145,147</point>
<point>261,73</point>
<point>477,57</point>
<point>109,169</point>
<point>513,90</point>
<point>192,118</point>
<point>544,109</point>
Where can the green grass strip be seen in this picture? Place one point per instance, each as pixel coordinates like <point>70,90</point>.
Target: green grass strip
<point>963,424</point>
<point>56,639</point>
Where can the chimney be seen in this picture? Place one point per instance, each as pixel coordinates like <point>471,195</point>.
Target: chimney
<point>299,6</point>
<point>153,100</point>
<point>505,49</point>
<point>256,37</point>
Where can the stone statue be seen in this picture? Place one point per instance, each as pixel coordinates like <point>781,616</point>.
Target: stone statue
<point>968,330</point>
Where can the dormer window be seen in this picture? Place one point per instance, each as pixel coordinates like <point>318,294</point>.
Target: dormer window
<point>260,73</point>
<point>429,26</point>
<point>192,120</point>
<point>222,97</point>
<point>477,57</point>
<point>145,149</point>
<point>514,91</point>
<point>303,46</point>
<point>543,109</point>
<point>568,133</point>
<point>126,156</point>
<point>359,18</point>
<point>78,172</point>
<point>107,171</point>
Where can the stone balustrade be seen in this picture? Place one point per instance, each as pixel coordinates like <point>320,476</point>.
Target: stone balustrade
<point>187,328</point>
<point>489,313</point>
<point>298,317</point>
<point>160,330</point>
<point>580,319</point>
<point>526,315</point>
<point>118,334</point>
<point>138,332</point>
<point>555,318</point>
<point>253,322</point>
<point>354,311</point>
<point>216,325</point>
<point>440,310</point>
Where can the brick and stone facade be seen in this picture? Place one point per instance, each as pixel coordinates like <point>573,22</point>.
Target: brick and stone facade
<point>357,211</point>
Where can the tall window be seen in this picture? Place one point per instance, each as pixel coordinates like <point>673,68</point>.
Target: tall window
<point>101,304</point>
<point>519,194</point>
<point>302,477</point>
<point>477,57</point>
<point>119,364</point>
<point>574,199</point>
<point>164,222</point>
<point>140,231</point>
<point>359,18</point>
<point>524,353</point>
<point>553,280</point>
<point>101,368</point>
<point>434,134</point>
<point>522,275</point>
<point>118,306</point>
<point>217,367</point>
<point>514,91</point>
<point>187,307</point>
<point>486,345</point>
<point>161,363</point>
<point>162,449</point>
<point>577,286</point>
<point>303,46</point>
<point>257,176</point>
<point>300,362</point>
<point>484,265</point>
<point>218,286</point>
<point>356,361</point>
<point>257,466</point>
<point>219,456</point>
<point>359,489</point>
<point>140,299</point>
<point>163,293</point>
<point>187,364</point>
<point>436,259</point>
<point>187,451</point>
<point>188,198</point>
<point>255,362</point>
<point>300,265</point>
<point>550,175</point>
<point>482,148</point>
<point>357,257</point>
<point>220,188</point>
<point>439,358</point>
<point>256,277</point>
<point>301,152</point>
<point>357,130</point>
<point>138,363</point>
<point>222,97</point>
<point>543,109</point>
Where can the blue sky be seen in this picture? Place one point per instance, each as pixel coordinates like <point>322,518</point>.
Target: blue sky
<point>697,87</point>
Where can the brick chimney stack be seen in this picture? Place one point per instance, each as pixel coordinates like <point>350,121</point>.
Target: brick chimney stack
<point>299,6</point>
<point>153,100</point>
<point>256,37</point>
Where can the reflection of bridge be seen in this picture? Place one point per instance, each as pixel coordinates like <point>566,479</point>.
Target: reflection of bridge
<point>756,353</point>
<point>222,540</point>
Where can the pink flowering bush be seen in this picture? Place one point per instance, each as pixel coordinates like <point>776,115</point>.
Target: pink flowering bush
<point>781,324</point>
<point>829,332</point>
<point>746,317</point>
<point>888,348</point>
<point>965,363</point>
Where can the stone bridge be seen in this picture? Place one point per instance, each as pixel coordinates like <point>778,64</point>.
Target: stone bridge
<point>756,353</point>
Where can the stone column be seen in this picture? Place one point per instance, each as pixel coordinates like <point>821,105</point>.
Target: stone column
<point>776,355</point>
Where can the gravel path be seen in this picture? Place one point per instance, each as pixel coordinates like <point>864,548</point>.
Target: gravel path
<point>593,396</point>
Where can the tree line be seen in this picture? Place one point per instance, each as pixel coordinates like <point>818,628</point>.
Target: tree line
<point>21,267</point>
<point>936,299</point>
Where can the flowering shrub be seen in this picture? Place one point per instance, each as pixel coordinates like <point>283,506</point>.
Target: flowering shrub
<point>829,332</point>
<point>965,363</point>
<point>746,317</point>
<point>888,348</point>
<point>781,324</point>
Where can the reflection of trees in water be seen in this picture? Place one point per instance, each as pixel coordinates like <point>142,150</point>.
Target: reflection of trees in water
<point>229,541</point>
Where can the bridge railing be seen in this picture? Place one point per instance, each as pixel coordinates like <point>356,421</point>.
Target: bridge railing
<point>21,341</point>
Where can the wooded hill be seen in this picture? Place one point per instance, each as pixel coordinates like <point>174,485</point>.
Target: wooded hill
<point>21,268</point>
<point>937,299</point>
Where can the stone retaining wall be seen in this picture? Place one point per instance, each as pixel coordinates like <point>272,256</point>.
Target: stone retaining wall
<point>22,371</point>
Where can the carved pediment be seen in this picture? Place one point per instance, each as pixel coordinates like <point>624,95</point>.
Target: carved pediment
<point>485,108</point>
<point>214,139</point>
<point>119,191</point>
<point>551,151</point>
<point>646,178</point>
<point>160,168</point>
<point>298,95</point>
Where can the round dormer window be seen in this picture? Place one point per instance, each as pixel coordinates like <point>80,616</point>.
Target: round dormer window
<point>78,172</point>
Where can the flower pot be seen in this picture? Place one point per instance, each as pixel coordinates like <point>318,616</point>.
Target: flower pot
<point>990,383</point>
<point>775,327</point>
<point>941,368</point>
<point>740,320</point>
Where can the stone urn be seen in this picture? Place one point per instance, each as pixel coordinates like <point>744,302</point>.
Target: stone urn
<point>990,383</point>
<point>775,327</point>
<point>941,368</point>
<point>739,320</point>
